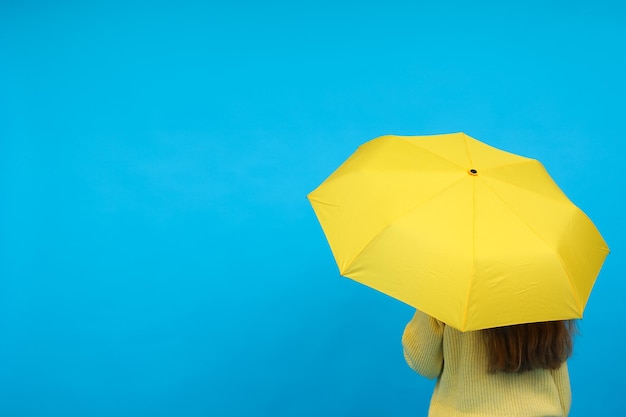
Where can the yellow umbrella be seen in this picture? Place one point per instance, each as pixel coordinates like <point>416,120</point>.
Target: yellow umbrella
<point>467,233</point>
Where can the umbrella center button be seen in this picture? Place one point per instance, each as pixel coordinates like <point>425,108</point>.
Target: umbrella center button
<point>472,172</point>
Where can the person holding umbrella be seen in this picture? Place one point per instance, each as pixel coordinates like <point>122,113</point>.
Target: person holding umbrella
<point>518,370</point>
<point>492,254</point>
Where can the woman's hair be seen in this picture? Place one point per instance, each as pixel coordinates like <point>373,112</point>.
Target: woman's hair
<point>524,347</point>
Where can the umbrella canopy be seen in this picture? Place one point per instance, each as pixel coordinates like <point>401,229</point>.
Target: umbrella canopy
<point>472,235</point>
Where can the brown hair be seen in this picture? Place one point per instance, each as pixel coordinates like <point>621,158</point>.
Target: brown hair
<point>524,347</point>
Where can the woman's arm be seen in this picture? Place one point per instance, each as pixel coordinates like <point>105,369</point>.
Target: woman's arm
<point>423,345</point>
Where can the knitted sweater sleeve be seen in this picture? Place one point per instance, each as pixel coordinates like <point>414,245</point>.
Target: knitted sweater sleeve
<point>422,341</point>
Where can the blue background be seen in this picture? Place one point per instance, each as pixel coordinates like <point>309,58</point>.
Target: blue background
<point>157,254</point>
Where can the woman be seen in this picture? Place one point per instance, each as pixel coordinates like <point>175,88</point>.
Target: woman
<point>509,371</point>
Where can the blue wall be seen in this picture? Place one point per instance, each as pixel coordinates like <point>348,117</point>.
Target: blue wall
<point>157,254</point>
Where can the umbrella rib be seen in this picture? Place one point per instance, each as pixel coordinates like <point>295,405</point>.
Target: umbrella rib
<point>528,161</point>
<point>473,271</point>
<point>567,273</point>
<point>525,161</point>
<point>320,201</point>
<point>403,138</point>
<point>375,237</point>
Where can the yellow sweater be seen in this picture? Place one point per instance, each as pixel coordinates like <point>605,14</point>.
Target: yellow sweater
<point>465,388</point>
